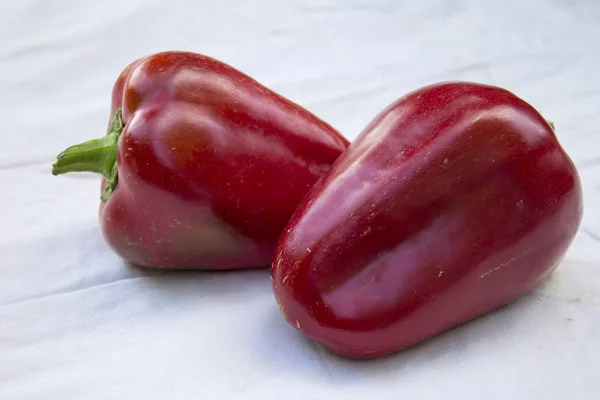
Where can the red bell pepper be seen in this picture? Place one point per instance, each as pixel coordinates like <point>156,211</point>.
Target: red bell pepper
<point>203,165</point>
<point>455,200</point>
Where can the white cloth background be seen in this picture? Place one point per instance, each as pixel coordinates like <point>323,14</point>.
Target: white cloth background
<point>76,323</point>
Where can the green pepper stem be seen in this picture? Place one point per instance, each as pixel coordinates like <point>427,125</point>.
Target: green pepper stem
<point>96,155</point>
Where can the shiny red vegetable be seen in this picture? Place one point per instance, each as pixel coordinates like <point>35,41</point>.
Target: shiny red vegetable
<point>455,200</point>
<point>203,165</point>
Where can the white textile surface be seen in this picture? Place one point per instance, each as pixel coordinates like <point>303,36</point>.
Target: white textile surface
<point>77,323</point>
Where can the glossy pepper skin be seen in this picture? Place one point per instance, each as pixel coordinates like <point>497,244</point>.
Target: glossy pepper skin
<point>203,165</point>
<point>455,200</point>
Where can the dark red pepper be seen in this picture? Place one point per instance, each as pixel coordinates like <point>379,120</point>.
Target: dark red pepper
<point>204,166</point>
<point>455,200</point>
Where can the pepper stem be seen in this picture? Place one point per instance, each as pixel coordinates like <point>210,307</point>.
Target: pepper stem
<point>96,155</point>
